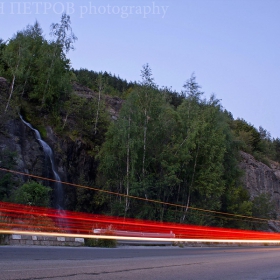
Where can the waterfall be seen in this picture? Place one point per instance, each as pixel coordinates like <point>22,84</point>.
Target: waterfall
<point>58,189</point>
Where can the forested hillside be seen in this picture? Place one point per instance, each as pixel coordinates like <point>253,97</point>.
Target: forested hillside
<point>134,148</point>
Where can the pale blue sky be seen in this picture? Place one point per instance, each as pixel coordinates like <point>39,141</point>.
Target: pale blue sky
<point>232,46</point>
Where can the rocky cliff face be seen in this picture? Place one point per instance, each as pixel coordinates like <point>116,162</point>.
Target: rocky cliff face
<point>113,104</point>
<point>259,178</point>
<point>74,161</point>
<point>71,156</point>
<point>29,155</point>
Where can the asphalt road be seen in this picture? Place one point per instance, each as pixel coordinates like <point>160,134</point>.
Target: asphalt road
<point>164,263</point>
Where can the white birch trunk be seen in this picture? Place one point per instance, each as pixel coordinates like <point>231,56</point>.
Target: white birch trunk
<point>11,92</point>
<point>98,108</point>
<point>189,192</point>
<point>13,82</point>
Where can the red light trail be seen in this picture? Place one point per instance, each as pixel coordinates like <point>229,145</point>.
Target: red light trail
<point>31,220</point>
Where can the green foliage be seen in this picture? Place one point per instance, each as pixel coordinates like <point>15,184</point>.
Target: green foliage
<point>2,239</point>
<point>262,208</point>
<point>202,147</point>
<point>4,221</point>
<point>5,186</point>
<point>88,200</point>
<point>256,142</point>
<point>114,86</point>
<point>237,201</point>
<point>176,156</point>
<point>276,146</point>
<point>62,32</point>
<point>3,65</point>
<point>7,181</point>
<point>29,51</point>
<point>85,118</point>
<point>174,98</point>
<point>105,243</point>
<point>172,147</point>
<point>131,155</point>
<point>53,81</point>
<point>20,55</point>
<point>32,193</point>
<point>249,137</point>
<point>8,158</point>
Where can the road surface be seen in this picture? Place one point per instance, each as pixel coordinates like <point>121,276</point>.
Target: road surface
<point>163,263</point>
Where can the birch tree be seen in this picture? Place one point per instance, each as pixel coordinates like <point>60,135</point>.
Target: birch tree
<point>14,55</point>
<point>63,42</point>
<point>100,85</point>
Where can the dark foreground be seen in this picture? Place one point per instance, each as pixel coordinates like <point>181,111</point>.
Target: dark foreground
<point>139,263</point>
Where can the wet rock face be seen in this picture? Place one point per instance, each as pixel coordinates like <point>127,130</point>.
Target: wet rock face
<point>30,151</point>
<point>29,155</point>
<point>74,165</point>
<point>72,159</point>
<point>259,178</point>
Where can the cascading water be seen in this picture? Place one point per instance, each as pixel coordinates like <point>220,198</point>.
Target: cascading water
<point>58,189</point>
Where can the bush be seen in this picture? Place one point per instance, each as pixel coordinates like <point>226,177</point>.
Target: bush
<point>4,220</point>
<point>3,239</point>
<point>32,193</point>
<point>105,243</point>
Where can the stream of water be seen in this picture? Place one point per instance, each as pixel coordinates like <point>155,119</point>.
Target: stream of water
<point>58,189</point>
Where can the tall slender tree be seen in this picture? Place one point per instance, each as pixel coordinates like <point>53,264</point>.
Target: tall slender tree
<point>63,41</point>
<point>14,56</point>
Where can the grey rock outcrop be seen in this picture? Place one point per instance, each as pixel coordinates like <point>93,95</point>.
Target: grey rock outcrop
<point>71,157</point>
<point>29,154</point>
<point>113,104</point>
<point>259,178</point>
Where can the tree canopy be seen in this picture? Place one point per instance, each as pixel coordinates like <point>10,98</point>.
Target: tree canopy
<point>174,148</point>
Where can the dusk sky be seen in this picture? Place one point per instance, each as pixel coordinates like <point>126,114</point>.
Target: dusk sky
<point>232,46</point>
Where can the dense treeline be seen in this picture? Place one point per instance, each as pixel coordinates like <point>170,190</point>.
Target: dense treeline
<point>171,155</point>
<point>179,149</point>
<point>38,69</point>
<point>114,86</point>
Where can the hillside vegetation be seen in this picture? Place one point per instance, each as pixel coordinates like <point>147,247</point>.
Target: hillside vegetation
<point>175,151</point>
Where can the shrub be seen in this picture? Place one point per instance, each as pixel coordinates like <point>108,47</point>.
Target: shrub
<point>106,243</point>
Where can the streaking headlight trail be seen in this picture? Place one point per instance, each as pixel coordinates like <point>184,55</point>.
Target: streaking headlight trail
<point>31,220</point>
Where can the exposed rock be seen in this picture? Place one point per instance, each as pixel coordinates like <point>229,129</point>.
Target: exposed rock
<point>82,90</point>
<point>72,157</point>
<point>113,104</point>
<point>275,166</point>
<point>29,154</point>
<point>274,226</point>
<point>259,178</point>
